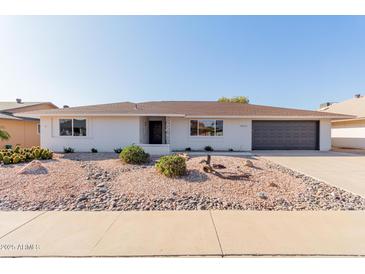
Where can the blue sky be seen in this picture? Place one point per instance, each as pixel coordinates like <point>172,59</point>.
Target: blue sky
<point>289,61</point>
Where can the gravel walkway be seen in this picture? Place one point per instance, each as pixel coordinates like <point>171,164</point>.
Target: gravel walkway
<point>86,181</point>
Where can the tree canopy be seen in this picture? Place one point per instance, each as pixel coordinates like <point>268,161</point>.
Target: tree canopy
<point>235,99</point>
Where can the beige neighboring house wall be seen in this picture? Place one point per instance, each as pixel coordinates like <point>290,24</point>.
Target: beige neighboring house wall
<point>23,131</point>
<point>348,133</point>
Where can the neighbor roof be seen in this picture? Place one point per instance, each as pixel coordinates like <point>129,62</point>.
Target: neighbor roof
<point>10,116</point>
<point>354,106</point>
<point>7,110</point>
<point>187,108</point>
<point>4,106</point>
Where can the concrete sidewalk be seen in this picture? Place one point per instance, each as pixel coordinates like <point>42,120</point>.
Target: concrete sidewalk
<point>182,233</point>
<point>343,170</point>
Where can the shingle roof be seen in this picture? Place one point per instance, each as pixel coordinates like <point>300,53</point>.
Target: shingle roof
<point>12,105</point>
<point>353,106</point>
<point>10,116</point>
<point>188,108</point>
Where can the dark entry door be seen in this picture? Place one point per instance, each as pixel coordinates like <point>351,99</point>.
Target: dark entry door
<point>155,129</point>
<point>285,135</point>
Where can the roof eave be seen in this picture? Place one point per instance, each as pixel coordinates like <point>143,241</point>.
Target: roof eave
<point>191,116</point>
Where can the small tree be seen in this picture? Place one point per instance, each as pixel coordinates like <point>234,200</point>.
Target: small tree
<point>235,99</point>
<point>4,135</point>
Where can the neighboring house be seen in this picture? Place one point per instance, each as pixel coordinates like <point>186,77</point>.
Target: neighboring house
<point>162,127</point>
<point>23,131</point>
<point>349,133</point>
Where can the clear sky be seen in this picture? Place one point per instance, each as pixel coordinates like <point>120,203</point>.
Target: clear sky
<point>290,61</point>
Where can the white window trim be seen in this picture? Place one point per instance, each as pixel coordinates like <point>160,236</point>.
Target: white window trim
<point>72,127</point>
<point>201,136</point>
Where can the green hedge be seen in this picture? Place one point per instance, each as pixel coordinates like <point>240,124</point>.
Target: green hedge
<point>134,155</point>
<point>171,165</point>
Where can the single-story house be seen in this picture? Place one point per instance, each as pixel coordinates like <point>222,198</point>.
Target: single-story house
<point>23,130</point>
<point>349,133</point>
<point>162,127</point>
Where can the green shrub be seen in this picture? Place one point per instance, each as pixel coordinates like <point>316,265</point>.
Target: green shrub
<point>94,150</point>
<point>8,146</point>
<point>29,156</point>
<point>37,153</point>
<point>19,154</point>
<point>17,149</point>
<point>46,154</point>
<point>134,155</point>
<point>16,159</point>
<point>171,165</point>
<point>188,149</point>
<point>208,148</point>
<point>118,150</point>
<point>68,150</point>
<point>7,160</point>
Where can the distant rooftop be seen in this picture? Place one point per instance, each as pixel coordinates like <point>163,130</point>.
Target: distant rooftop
<point>18,104</point>
<point>12,110</point>
<point>354,106</point>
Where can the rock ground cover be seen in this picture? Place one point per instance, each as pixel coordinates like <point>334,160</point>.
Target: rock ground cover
<point>100,181</point>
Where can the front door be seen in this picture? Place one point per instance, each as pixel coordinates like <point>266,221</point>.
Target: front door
<point>155,129</point>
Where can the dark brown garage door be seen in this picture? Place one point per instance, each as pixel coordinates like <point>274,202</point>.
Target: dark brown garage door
<point>282,135</point>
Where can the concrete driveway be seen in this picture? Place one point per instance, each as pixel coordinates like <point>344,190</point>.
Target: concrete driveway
<point>343,170</point>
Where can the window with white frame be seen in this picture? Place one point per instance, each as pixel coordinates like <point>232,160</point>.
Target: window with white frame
<point>72,127</point>
<point>206,127</point>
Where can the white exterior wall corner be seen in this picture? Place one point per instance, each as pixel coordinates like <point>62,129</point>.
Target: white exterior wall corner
<point>349,134</point>
<point>236,135</point>
<point>103,133</point>
<point>325,135</point>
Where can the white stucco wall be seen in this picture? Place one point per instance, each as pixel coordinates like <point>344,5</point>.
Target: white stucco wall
<point>107,133</point>
<point>325,134</point>
<point>236,135</point>
<point>349,135</point>
<point>103,133</point>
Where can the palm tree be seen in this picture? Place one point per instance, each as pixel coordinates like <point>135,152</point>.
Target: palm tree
<point>4,135</point>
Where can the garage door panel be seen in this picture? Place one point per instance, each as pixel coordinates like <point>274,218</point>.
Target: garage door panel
<point>271,135</point>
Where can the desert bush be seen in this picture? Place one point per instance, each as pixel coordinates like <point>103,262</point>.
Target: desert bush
<point>118,150</point>
<point>17,149</point>
<point>46,154</point>
<point>68,150</point>
<point>20,155</point>
<point>94,150</point>
<point>171,165</point>
<point>16,158</point>
<point>7,160</point>
<point>37,153</point>
<point>208,148</point>
<point>134,155</point>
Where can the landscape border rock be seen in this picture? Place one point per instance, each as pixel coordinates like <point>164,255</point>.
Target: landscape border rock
<point>34,167</point>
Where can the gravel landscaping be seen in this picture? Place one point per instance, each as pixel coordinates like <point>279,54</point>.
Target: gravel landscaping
<point>100,181</point>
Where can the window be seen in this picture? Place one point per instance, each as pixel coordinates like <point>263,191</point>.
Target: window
<point>38,129</point>
<point>79,127</point>
<point>72,127</point>
<point>206,127</point>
